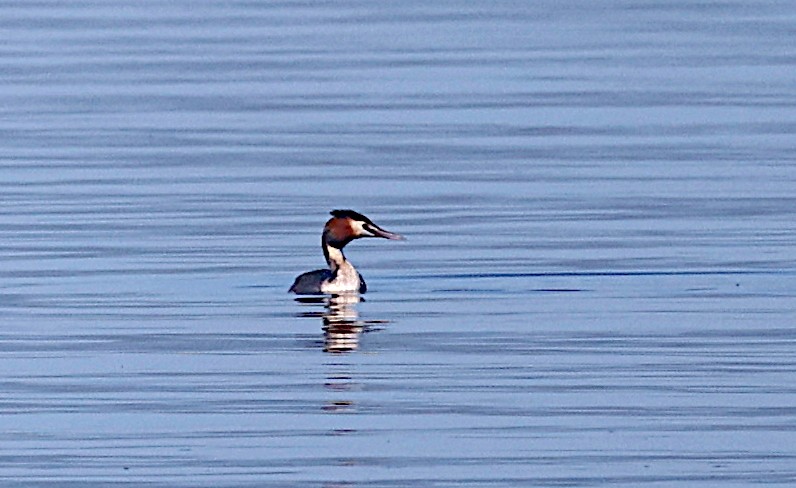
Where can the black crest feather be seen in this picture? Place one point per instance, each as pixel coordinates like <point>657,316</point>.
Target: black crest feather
<point>342,214</point>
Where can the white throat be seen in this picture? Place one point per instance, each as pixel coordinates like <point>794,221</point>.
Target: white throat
<point>345,278</point>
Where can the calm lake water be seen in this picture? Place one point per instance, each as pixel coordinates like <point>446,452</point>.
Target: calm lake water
<point>598,286</point>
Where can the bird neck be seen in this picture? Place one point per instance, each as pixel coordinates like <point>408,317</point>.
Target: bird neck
<point>334,256</point>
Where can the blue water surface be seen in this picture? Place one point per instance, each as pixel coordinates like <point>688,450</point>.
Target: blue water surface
<point>597,287</point>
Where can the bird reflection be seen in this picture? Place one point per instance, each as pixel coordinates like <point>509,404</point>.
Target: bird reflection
<point>340,321</point>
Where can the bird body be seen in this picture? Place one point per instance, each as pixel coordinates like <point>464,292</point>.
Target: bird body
<point>341,276</point>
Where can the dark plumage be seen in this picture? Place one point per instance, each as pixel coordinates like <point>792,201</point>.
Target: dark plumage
<point>341,214</point>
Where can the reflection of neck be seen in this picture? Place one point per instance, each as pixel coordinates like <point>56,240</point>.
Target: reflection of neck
<point>334,256</point>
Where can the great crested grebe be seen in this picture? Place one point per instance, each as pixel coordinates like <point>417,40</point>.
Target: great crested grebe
<point>342,228</point>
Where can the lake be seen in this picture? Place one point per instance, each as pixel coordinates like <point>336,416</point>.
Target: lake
<point>598,286</point>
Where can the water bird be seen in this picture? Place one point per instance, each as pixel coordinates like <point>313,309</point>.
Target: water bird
<point>341,276</point>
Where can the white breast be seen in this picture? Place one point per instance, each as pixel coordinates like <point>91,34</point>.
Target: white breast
<point>346,280</point>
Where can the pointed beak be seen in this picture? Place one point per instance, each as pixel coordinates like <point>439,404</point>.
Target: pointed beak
<point>377,231</point>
